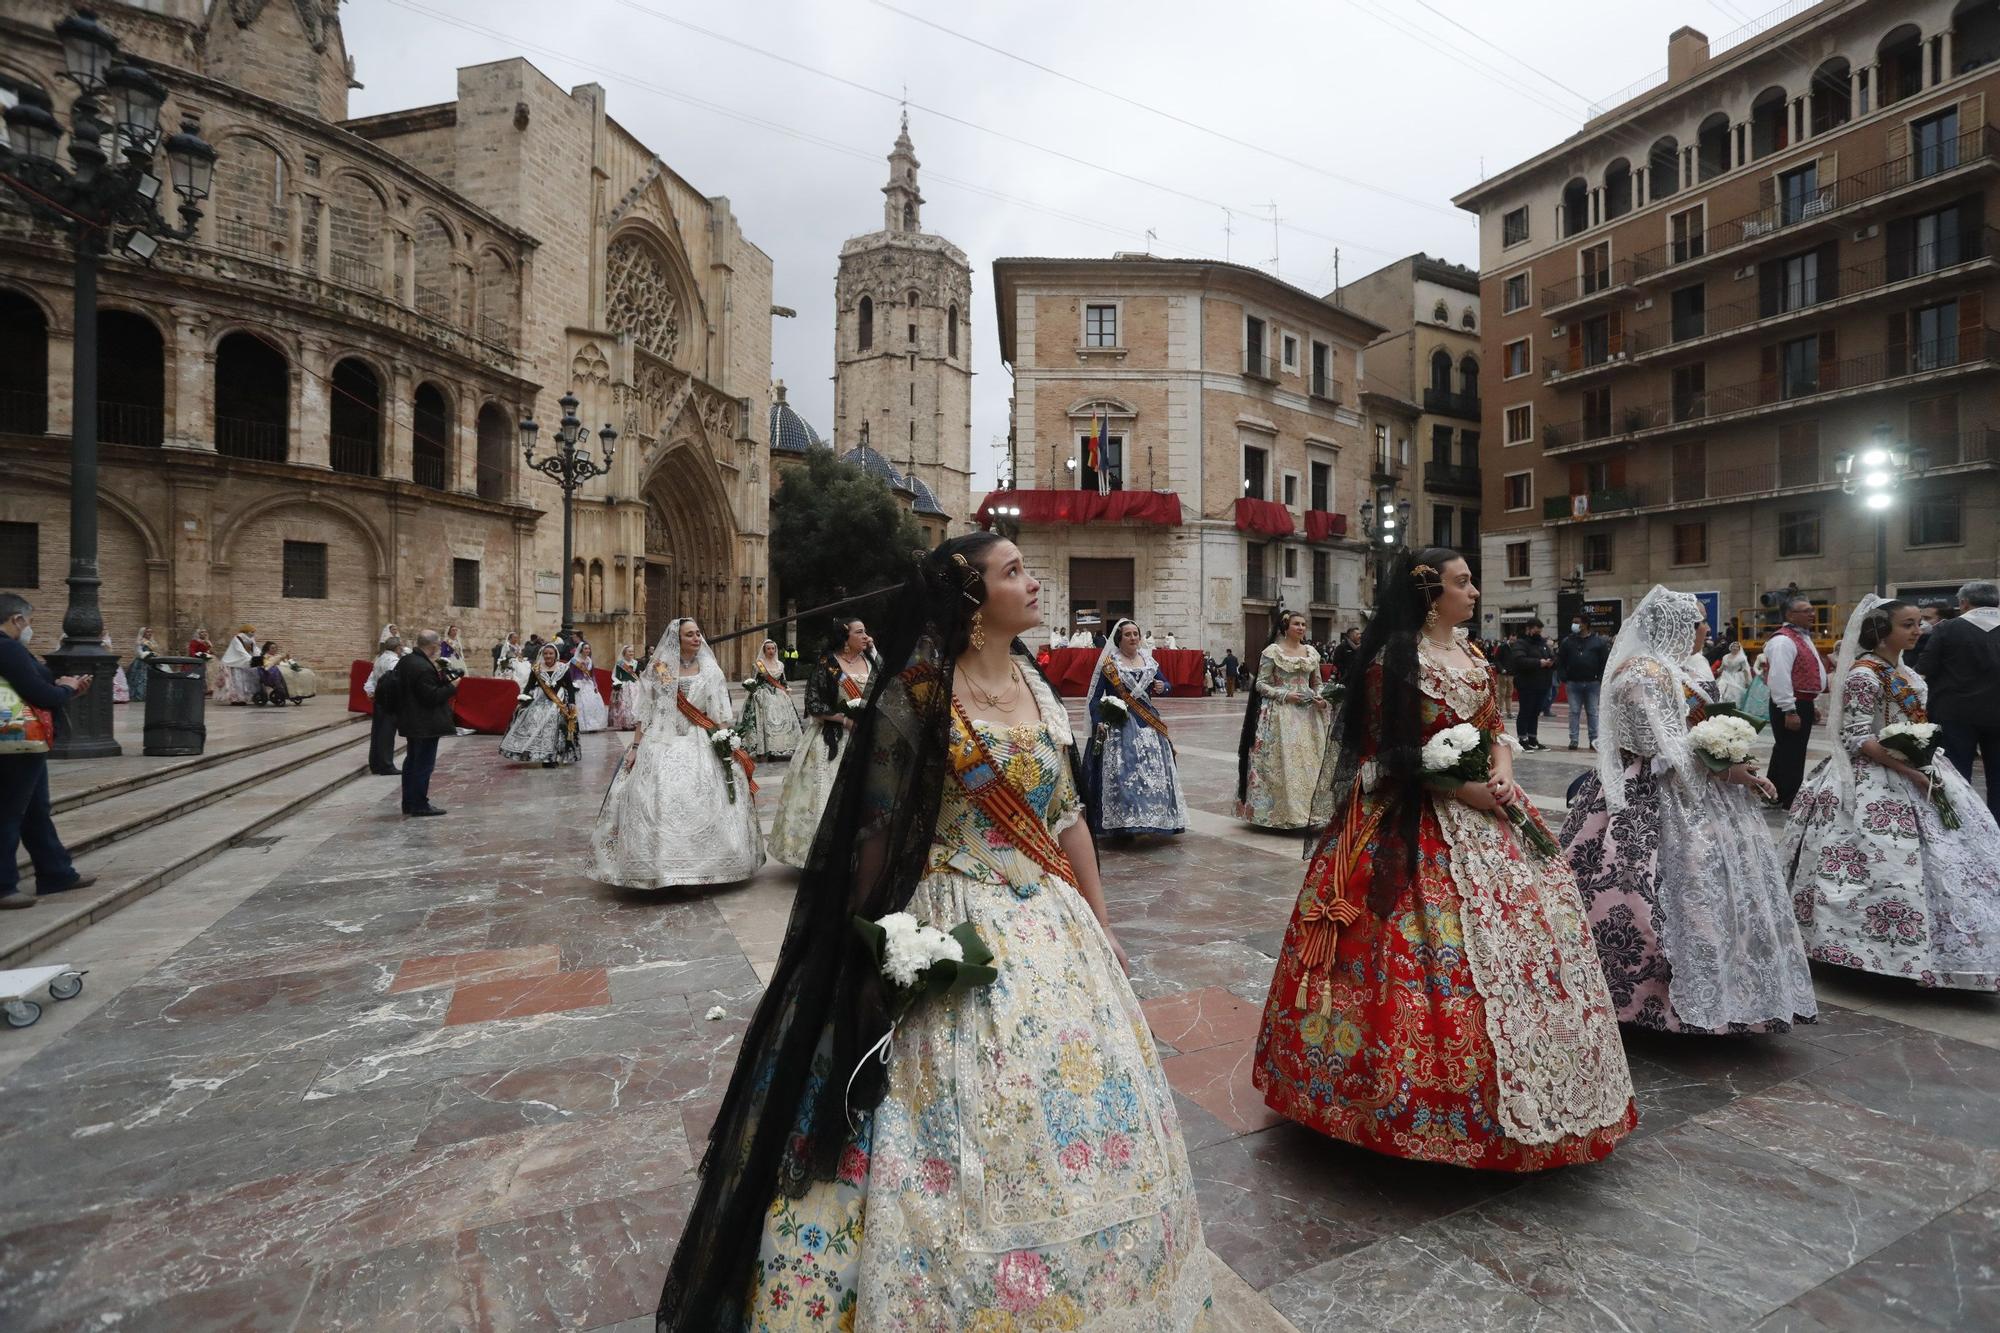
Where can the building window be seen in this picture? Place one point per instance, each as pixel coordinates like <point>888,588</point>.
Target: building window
<point>1290,483</point>
<point>1468,530</point>
<point>1514,226</point>
<point>1597,553</point>
<point>1596,346</point>
<point>1797,282</point>
<point>1289,346</point>
<point>1519,423</point>
<point>20,555</point>
<point>1321,486</point>
<point>1322,373</point>
<point>1690,312</point>
<point>305,570</point>
<point>1935,332</point>
<point>1798,367</point>
<point>1291,562</point>
<point>1322,589</point>
<point>465,583</point>
<point>1519,488</point>
<point>1514,294</point>
<point>1516,359</point>
<point>1440,313</point>
<point>1517,560</point>
<point>1934,143</point>
<point>1100,326</point>
<point>1937,520</point>
<point>1253,342</point>
<point>1690,543</point>
<point>1442,533</point>
<point>1690,391</point>
<point>1256,464</point>
<point>865,324</point>
<point>1468,321</point>
<point>1441,445</point>
<point>1798,532</point>
<point>1595,261</point>
<point>1688,234</point>
<point>1798,194</point>
<point>913,333</point>
<point>1113,461</point>
<point>951,332</point>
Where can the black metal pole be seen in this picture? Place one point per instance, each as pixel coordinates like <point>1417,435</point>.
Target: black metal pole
<point>1881,553</point>
<point>86,729</point>
<point>801,615</point>
<point>568,481</point>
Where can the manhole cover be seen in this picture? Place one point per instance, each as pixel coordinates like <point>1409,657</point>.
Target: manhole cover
<point>262,841</point>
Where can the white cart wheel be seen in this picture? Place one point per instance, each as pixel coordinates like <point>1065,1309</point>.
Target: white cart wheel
<point>66,986</point>
<point>21,1013</point>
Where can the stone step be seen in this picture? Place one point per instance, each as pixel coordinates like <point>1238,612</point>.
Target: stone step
<point>133,867</point>
<point>77,783</point>
<point>95,824</point>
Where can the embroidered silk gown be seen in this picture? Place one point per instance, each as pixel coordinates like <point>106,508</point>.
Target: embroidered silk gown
<point>1129,771</point>
<point>809,781</point>
<point>1290,741</point>
<point>538,734</point>
<point>670,819</point>
<point>1026,1168</point>
<point>626,696</point>
<point>1471,1025</point>
<point>1878,882</point>
<point>772,727</point>
<point>1684,886</point>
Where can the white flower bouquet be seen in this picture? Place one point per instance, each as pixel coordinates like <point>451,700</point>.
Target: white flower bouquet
<point>854,707</point>
<point>1332,691</point>
<point>1464,753</point>
<point>1918,743</point>
<point>918,959</point>
<point>726,743</point>
<point>1721,743</point>
<point>752,684</point>
<point>1113,711</point>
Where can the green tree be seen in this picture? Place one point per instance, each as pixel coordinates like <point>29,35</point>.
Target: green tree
<point>836,531</point>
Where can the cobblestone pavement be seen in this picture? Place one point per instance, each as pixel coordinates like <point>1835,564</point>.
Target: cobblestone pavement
<point>380,1074</point>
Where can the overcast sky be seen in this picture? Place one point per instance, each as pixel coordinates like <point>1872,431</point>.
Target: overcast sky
<point>1384,108</point>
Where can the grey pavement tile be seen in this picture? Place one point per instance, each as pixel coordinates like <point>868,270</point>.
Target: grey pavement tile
<point>1398,1286</point>
<point>267,1302</point>
<point>1925,1081</point>
<point>1945,1275</point>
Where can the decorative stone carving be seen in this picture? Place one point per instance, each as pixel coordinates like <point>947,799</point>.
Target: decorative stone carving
<point>589,366</point>
<point>639,297</point>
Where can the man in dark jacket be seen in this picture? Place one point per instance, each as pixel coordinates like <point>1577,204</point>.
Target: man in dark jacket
<point>423,712</point>
<point>1960,661</point>
<point>1580,660</point>
<point>1231,671</point>
<point>24,778</point>
<point>1531,662</point>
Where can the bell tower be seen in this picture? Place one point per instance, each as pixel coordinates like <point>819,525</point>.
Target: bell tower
<point>290,51</point>
<point>903,205</point>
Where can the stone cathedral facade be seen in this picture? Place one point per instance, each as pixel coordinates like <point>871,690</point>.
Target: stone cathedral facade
<point>902,381</point>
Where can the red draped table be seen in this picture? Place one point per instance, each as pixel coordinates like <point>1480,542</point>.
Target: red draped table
<point>484,704</point>
<point>1070,668</point>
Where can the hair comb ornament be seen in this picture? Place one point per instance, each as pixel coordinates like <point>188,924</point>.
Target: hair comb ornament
<point>968,577</point>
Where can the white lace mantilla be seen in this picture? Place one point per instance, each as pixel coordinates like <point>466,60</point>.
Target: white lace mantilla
<point>1560,1064</point>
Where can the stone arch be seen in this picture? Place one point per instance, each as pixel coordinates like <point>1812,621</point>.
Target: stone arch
<point>24,363</point>
<point>864,337</point>
<point>497,437</point>
<point>253,395</point>
<point>435,250</point>
<point>131,376</point>
<point>251,202</point>
<point>128,552</point>
<point>358,392</point>
<point>248,577</point>
<point>498,295</point>
<point>432,430</point>
<point>595,587</point>
<point>357,215</point>
<point>1441,371</point>
<point>1084,407</point>
<point>650,292</point>
<point>691,527</point>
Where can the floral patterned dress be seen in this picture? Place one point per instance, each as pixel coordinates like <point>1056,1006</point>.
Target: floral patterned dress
<point>815,764</point>
<point>772,727</point>
<point>1683,886</point>
<point>1026,1169</point>
<point>1471,1025</point>
<point>1290,741</point>
<point>1129,771</point>
<point>1878,882</point>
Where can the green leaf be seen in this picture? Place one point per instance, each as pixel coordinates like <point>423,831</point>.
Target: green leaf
<point>873,935</point>
<point>973,974</point>
<point>1731,710</point>
<point>967,935</point>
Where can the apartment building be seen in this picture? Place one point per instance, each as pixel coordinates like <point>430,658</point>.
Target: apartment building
<point>1701,311</point>
<point>1430,357</point>
<point>1233,453</point>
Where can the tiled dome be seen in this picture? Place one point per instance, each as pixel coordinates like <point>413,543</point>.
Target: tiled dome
<point>790,432</point>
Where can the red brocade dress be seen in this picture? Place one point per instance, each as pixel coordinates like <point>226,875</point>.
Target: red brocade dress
<point>1472,1025</point>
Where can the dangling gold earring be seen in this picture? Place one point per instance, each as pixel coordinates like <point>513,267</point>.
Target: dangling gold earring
<point>978,631</point>
<point>1431,617</point>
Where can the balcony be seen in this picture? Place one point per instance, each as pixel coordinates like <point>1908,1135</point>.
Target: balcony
<point>1445,403</point>
<point>1593,504</point>
<point>1451,479</point>
<point>1972,349</point>
<point>247,238</point>
<point>1388,469</point>
<point>143,424</point>
<point>1258,366</point>
<point>1325,386</point>
<point>259,441</point>
<point>354,454</point>
<point>1841,200</point>
<point>1573,294</point>
<point>1852,285</point>
<point>1260,588</point>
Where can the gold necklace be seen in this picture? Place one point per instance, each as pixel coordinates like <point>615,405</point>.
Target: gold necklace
<point>1004,698</point>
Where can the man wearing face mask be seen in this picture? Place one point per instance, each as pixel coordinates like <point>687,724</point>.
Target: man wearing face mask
<point>24,778</point>
<point>1580,659</point>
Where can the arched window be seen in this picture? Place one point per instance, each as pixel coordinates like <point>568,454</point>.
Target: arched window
<point>1468,376</point>
<point>354,441</point>
<point>24,366</point>
<point>131,379</point>
<point>1441,370</point>
<point>1468,320</point>
<point>1833,94</point>
<point>1770,122</point>
<point>1899,64</point>
<point>253,399</point>
<point>1711,153</point>
<point>496,452</point>
<point>1575,206</point>
<point>430,430</point>
<point>914,298</point>
<point>865,334</point>
<point>951,331</point>
<point>1617,189</point>
<point>1975,42</point>
<point>1663,168</point>
<point>597,586</point>
<point>909,217</point>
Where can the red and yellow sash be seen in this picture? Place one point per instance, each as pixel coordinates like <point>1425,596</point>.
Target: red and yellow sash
<point>1697,705</point>
<point>1898,687</point>
<point>710,725</point>
<point>847,685</point>
<point>1141,708</point>
<point>1324,906</point>
<point>564,711</point>
<point>1001,801</point>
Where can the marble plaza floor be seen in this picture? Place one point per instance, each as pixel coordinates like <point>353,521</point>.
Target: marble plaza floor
<point>379,1074</point>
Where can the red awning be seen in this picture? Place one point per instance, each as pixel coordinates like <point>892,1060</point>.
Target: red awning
<point>1160,507</point>
<point>1263,516</point>
<point>1322,525</point>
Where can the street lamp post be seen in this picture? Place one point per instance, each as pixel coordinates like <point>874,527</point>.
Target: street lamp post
<point>1876,474</point>
<point>108,195</point>
<point>1385,524</point>
<point>569,467</point>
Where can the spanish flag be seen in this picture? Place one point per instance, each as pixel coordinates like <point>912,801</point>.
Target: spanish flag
<point>1093,450</point>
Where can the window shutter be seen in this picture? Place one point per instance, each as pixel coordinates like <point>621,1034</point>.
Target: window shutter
<point>1616,472</point>
<point>1971,227</point>
<point>1829,362</point>
<point>1971,326</point>
<point>1902,236</point>
<point>1616,324</point>
<point>1576,479</point>
<point>1829,270</point>
<point>1767,374</point>
<point>1768,286</point>
<point>1767,191</point>
<point>1575,345</point>
<point>1895,353</point>
<point>1896,152</point>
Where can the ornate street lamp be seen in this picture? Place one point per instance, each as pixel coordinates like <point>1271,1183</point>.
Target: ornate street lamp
<point>1876,474</point>
<point>1385,525</point>
<point>569,467</point>
<point>106,199</point>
